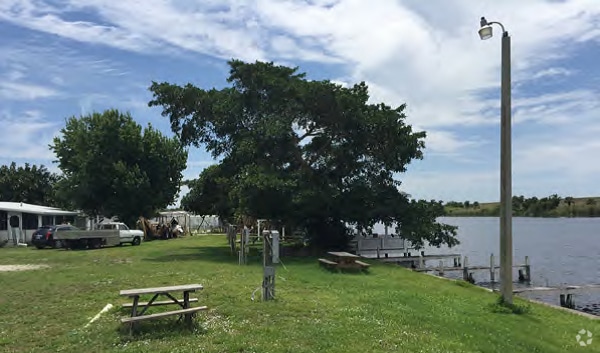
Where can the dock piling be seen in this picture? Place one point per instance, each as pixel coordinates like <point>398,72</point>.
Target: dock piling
<point>570,301</point>
<point>492,269</point>
<point>471,279</point>
<point>466,269</point>
<point>566,301</point>
<point>527,269</point>
<point>441,268</point>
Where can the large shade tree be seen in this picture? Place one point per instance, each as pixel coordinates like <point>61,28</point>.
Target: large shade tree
<point>114,167</point>
<point>311,154</point>
<point>28,183</point>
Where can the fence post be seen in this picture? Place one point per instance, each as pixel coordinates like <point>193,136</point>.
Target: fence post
<point>466,269</point>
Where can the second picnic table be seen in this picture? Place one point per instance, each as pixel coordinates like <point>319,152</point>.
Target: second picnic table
<point>186,310</point>
<point>344,260</point>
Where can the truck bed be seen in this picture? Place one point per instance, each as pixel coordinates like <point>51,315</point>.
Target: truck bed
<point>86,234</point>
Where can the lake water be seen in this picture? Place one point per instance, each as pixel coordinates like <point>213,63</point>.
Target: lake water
<point>562,251</point>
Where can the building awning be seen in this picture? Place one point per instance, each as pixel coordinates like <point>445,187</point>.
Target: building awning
<point>34,209</point>
<point>173,213</point>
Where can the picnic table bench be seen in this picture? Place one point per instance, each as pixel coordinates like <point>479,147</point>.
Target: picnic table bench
<point>138,315</point>
<point>344,260</point>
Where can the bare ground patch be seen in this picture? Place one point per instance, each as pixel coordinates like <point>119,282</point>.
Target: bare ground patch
<point>10,268</point>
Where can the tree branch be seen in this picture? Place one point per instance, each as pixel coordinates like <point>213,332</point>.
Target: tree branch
<point>310,132</point>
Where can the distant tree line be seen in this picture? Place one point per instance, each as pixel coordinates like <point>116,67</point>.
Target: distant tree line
<point>550,206</point>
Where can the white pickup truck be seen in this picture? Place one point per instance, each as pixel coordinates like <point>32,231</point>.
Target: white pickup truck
<point>126,235</point>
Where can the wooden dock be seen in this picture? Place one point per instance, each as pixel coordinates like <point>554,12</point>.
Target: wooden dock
<point>417,263</point>
<point>449,269</point>
<point>404,259</point>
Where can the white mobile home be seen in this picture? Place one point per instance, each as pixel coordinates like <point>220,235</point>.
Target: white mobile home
<point>19,220</point>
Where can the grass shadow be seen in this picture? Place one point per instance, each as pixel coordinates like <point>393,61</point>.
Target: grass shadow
<point>222,254</point>
<point>215,254</point>
<point>159,330</point>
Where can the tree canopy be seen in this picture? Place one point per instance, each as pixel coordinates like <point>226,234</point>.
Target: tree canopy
<point>29,183</point>
<point>113,167</point>
<point>311,154</point>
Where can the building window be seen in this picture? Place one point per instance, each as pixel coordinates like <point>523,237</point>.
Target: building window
<point>30,221</point>
<point>3,220</point>
<point>47,220</point>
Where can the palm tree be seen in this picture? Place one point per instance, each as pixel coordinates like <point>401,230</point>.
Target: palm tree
<point>569,200</point>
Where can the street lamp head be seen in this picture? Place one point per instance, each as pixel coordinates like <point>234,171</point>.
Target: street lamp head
<point>485,32</point>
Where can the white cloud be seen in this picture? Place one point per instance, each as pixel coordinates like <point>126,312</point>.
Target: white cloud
<point>405,50</point>
<point>448,143</point>
<point>27,136</point>
<point>24,91</point>
<point>452,186</point>
<point>570,107</point>
<point>551,72</point>
<point>570,154</point>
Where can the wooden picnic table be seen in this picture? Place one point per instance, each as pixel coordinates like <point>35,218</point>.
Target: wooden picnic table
<point>138,309</point>
<point>344,260</point>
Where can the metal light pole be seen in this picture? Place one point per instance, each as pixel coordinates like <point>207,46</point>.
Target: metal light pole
<point>506,287</point>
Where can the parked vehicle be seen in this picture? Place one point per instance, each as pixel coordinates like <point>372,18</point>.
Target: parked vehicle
<point>71,237</point>
<point>44,236</point>
<point>82,239</point>
<point>126,235</point>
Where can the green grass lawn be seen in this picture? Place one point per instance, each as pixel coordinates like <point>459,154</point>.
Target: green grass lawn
<point>387,310</point>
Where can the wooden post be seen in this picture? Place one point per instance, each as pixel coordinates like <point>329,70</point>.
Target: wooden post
<point>421,265</point>
<point>268,287</point>
<point>492,269</point>
<point>527,270</point>
<point>466,269</point>
<point>562,300</point>
<point>242,258</point>
<point>441,268</point>
<point>377,251</point>
<point>570,301</point>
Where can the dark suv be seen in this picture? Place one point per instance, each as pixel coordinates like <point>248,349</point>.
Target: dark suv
<point>44,236</point>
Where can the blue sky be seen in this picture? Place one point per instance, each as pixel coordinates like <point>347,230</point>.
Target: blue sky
<point>60,58</point>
